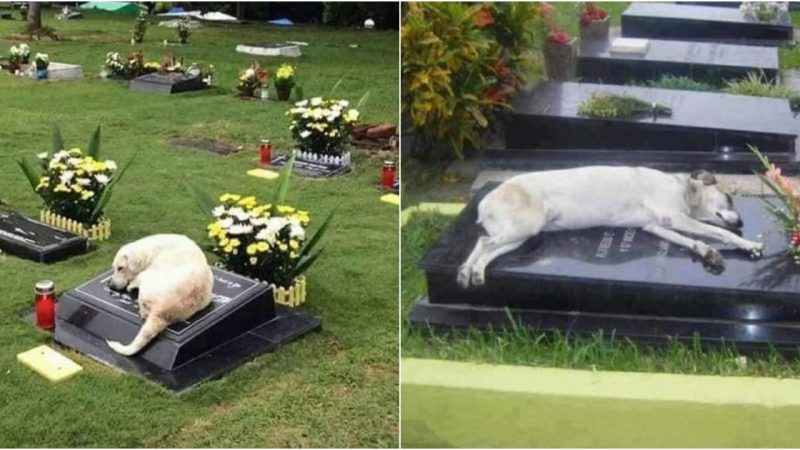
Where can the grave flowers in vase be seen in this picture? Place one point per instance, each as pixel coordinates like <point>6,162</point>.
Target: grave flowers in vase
<point>321,128</point>
<point>117,67</point>
<point>284,81</point>
<point>594,22</point>
<point>560,55</point>
<point>18,56</point>
<point>266,241</point>
<point>788,210</point>
<point>41,62</point>
<point>764,11</point>
<point>139,28</point>
<point>251,79</point>
<point>75,186</point>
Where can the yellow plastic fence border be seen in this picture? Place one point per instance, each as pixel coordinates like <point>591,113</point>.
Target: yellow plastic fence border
<point>459,404</point>
<point>292,297</point>
<point>448,209</point>
<point>98,232</point>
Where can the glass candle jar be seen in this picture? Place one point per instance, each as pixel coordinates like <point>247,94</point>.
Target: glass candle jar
<point>265,151</point>
<point>45,304</point>
<point>387,180</point>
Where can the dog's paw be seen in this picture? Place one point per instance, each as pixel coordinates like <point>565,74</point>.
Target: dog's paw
<point>756,250</point>
<point>463,277</point>
<point>119,348</point>
<point>714,258</point>
<point>478,277</point>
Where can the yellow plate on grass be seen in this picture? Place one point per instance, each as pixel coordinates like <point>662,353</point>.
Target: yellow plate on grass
<point>49,363</point>
<point>263,173</point>
<point>392,199</point>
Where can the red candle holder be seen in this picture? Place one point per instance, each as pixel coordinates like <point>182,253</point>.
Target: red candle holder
<point>265,152</point>
<point>387,179</point>
<point>45,305</point>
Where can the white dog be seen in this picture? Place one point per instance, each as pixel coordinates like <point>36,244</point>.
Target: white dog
<point>659,203</point>
<point>174,282</point>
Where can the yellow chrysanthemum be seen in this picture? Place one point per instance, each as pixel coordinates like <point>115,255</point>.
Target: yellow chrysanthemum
<point>253,260</point>
<point>252,249</point>
<point>228,249</point>
<point>86,195</point>
<point>283,247</point>
<point>262,246</point>
<point>235,242</point>
<point>294,244</point>
<point>223,242</point>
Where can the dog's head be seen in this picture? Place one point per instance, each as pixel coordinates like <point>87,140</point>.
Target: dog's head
<point>127,264</point>
<point>708,203</point>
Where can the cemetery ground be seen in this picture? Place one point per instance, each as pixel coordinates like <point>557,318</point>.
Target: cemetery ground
<point>335,388</point>
<point>449,182</point>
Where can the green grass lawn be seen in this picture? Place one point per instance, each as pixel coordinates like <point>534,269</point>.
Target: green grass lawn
<point>336,388</point>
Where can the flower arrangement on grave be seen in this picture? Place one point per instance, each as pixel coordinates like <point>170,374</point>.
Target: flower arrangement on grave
<point>268,241</point>
<point>184,29</point>
<point>594,21</point>
<point>19,54</point>
<point>75,186</point>
<point>560,54</point>
<point>252,78</point>
<point>788,210</point>
<point>23,11</point>
<point>611,106</point>
<point>764,11</point>
<point>322,126</point>
<point>170,63</point>
<point>41,62</point>
<point>152,67</point>
<point>117,67</point>
<point>284,81</point>
<point>139,28</point>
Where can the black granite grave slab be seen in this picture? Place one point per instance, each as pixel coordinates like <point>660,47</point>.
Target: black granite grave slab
<point>689,22</point>
<point>37,241</point>
<point>547,117</point>
<point>240,323</point>
<point>168,83</point>
<point>311,169</point>
<point>708,62</point>
<point>620,280</point>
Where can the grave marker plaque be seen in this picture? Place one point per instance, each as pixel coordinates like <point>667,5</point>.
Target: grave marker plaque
<point>311,169</point>
<point>274,49</point>
<point>34,240</point>
<point>241,322</point>
<point>621,281</point>
<point>168,83</point>
<point>702,61</point>
<point>689,22</point>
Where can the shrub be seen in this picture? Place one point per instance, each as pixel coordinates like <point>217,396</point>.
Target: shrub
<point>757,85</point>
<point>679,83</point>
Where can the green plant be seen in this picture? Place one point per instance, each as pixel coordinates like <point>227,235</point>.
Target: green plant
<point>610,106</point>
<point>757,84</point>
<point>266,241</point>
<point>73,184</point>
<point>669,81</point>
<point>139,28</point>
<point>184,29</point>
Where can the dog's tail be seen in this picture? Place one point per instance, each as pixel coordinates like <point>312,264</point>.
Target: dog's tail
<point>150,329</point>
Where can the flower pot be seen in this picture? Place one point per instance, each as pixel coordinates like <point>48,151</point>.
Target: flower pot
<point>596,29</point>
<point>294,296</point>
<point>560,60</point>
<point>101,231</point>
<point>40,74</point>
<point>283,93</point>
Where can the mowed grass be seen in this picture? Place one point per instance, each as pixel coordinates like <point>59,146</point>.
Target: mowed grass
<point>335,388</point>
<point>521,346</point>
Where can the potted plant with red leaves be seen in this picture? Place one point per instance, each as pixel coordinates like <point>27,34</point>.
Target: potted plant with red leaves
<point>594,22</point>
<point>560,55</point>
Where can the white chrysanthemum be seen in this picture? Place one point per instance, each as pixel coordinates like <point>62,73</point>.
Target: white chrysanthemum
<point>238,229</point>
<point>297,231</point>
<point>240,214</point>
<point>111,165</point>
<point>74,161</point>
<point>42,155</point>
<point>316,101</point>
<point>226,222</point>
<point>61,154</point>
<point>301,103</point>
<point>250,73</point>
<point>102,179</point>
<point>218,211</point>
<point>259,221</point>
<point>66,176</point>
<point>83,181</point>
<point>344,103</point>
<point>352,115</point>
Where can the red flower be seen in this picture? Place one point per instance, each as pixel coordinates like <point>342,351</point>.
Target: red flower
<point>484,17</point>
<point>545,10</point>
<point>501,69</point>
<point>795,239</point>
<point>592,14</point>
<point>558,36</point>
<point>494,95</point>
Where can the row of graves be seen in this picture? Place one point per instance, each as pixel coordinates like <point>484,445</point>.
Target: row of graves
<point>600,110</point>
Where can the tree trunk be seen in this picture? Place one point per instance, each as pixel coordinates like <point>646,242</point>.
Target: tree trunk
<point>34,15</point>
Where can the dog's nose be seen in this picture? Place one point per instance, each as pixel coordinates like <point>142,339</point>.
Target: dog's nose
<point>739,223</point>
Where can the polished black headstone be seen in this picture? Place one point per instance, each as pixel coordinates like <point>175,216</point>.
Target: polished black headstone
<point>689,22</point>
<point>168,83</point>
<point>622,281</point>
<point>37,241</point>
<point>240,323</point>
<point>708,62</point>
<point>546,117</point>
<point>311,169</point>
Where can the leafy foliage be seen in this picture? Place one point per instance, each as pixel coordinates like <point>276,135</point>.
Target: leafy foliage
<point>609,106</point>
<point>669,81</point>
<point>757,84</point>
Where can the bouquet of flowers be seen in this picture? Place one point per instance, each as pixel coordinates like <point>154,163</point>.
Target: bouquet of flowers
<point>152,66</point>
<point>788,212</point>
<point>322,126</point>
<point>284,78</point>
<point>764,11</point>
<point>139,28</point>
<point>558,36</point>
<point>610,106</point>
<point>41,61</point>
<point>19,54</point>
<point>184,29</point>
<point>74,184</point>
<point>252,78</point>
<point>592,13</point>
<point>128,68</point>
<point>266,241</point>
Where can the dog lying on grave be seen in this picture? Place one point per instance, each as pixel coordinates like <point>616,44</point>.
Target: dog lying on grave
<point>174,282</point>
<point>665,205</point>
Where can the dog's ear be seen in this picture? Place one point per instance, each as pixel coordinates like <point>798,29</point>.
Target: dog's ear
<point>706,177</point>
